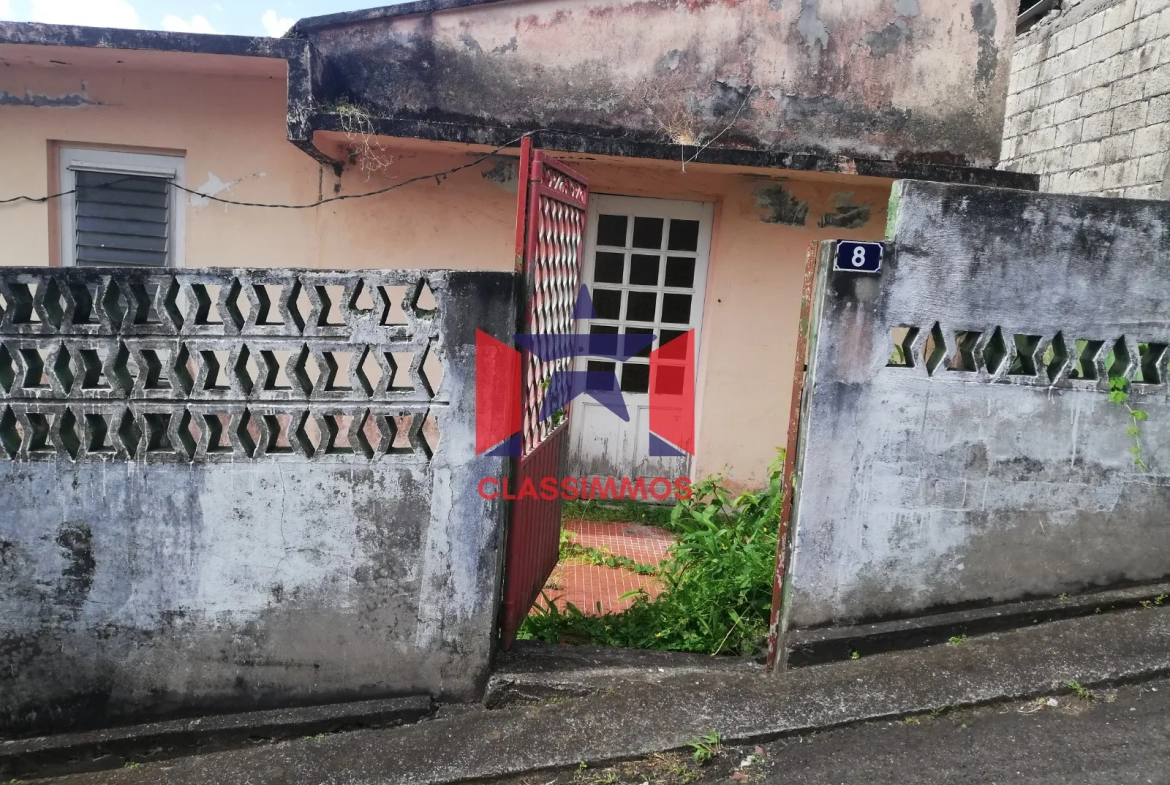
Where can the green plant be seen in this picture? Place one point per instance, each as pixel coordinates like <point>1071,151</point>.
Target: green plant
<point>132,764</point>
<point>1119,394</point>
<point>955,640</point>
<point>717,581</point>
<point>854,655</point>
<point>911,721</point>
<point>706,747</point>
<point>575,553</point>
<point>1161,598</point>
<point>605,778</point>
<point>617,510</point>
<point>1080,691</point>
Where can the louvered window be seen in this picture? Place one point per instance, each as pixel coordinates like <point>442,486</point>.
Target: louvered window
<point>123,210</point>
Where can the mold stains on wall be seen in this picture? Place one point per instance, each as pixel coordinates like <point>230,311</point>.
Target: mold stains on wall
<point>888,39</point>
<point>503,171</point>
<point>983,16</point>
<point>778,205</point>
<point>76,541</point>
<point>41,100</point>
<point>847,215</point>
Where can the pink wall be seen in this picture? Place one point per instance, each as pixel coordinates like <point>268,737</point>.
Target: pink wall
<point>231,131</point>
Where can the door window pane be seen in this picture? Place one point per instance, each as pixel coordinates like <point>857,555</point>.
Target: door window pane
<point>644,269</point>
<point>611,230</point>
<point>635,378</point>
<point>647,232</point>
<point>680,271</point>
<point>610,268</point>
<point>640,306</point>
<point>684,235</point>
<point>607,303</point>
<point>669,380</point>
<point>602,377</point>
<point>676,308</point>
<point>671,347</point>
<point>641,331</point>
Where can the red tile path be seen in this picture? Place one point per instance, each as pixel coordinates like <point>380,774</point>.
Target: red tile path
<point>587,585</point>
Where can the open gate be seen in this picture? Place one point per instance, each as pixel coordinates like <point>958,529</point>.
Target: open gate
<point>550,241</point>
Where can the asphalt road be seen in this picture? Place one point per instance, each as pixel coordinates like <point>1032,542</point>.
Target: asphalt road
<point>1113,737</point>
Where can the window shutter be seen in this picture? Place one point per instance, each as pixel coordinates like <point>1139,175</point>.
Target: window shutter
<point>122,219</point>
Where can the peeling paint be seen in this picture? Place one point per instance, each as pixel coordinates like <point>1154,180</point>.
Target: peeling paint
<point>888,39</point>
<point>906,7</point>
<point>847,215</point>
<point>811,28</point>
<point>215,186</point>
<point>471,43</point>
<point>511,46</point>
<point>42,100</point>
<point>780,206</point>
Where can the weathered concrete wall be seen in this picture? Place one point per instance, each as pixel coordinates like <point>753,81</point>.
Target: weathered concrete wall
<point>282,534</point>
<point>996,469</point>
<point>1089,103</point>
<point>911,79</point>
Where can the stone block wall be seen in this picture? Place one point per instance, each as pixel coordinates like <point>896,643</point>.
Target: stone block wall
<point>1089,100</point>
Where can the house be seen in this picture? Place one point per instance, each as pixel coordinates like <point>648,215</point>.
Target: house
<point>1089,99</point>
<point>718,139</point>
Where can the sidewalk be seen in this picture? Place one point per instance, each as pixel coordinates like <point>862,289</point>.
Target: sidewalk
<point>641,710</point>
<point>591,587</point>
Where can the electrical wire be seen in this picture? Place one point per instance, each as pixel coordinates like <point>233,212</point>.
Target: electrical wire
<point>438,177</point>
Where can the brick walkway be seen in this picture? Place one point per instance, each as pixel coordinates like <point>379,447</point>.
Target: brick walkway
<point>586,585</point>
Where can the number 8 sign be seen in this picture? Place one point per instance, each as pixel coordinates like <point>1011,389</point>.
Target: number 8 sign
<point>858,257</point>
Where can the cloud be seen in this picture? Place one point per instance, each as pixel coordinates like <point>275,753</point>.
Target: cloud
<point>196,24</point>
<point>97,13</point>
<point>274,25</point>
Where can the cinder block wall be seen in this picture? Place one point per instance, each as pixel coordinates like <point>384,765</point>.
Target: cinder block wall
<point>1089,100</point>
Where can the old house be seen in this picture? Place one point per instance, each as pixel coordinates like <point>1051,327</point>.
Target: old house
<point>717,139</point>
<point>750,129</point>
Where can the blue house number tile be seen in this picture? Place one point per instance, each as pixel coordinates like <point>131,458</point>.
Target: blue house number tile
<point>859,257</point>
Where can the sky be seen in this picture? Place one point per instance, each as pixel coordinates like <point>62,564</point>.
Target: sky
<point>237,17</point>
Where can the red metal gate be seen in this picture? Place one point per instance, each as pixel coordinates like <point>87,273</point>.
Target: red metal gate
<point>550,241</point>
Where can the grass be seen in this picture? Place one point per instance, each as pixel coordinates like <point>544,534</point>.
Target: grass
<point>706,747</point>
<point>618,511</point>
<point>575,553</point>
<point>717,581</point>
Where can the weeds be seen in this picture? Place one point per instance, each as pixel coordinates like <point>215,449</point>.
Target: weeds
<point>717,581</point>
<point>618,510</point>
<point>575,553</point>
<point>955,640</point>
<point>1081,692</point>
<point>1119,393</point>
<point>706,747</point>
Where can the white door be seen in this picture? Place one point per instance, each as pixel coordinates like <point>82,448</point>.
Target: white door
<point>646,267</point>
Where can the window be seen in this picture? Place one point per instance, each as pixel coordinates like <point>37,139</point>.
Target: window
<point>122,211</point>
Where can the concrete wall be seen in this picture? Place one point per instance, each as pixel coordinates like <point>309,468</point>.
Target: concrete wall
<point>919,490</point>
<point>173,545</point>
<point>1089,103</point>
<point>231,131</point>
<point>906,80</point>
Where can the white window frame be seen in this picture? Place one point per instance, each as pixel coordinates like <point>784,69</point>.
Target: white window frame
<point>172,167</point>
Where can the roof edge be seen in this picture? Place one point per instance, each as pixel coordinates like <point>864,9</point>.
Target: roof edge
<point>414,8</point>
<point>38,34</point>
<point>631,146</point>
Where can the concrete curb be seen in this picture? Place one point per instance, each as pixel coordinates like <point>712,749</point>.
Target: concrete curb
<point>662,711</point>
<point>812,647</point>
<point>112,747</point>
